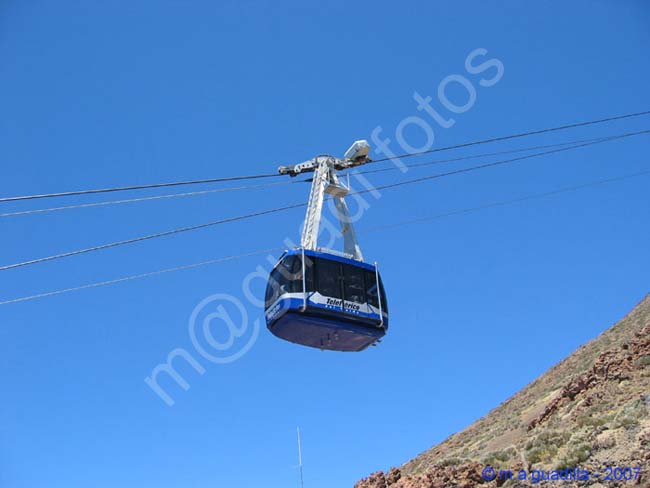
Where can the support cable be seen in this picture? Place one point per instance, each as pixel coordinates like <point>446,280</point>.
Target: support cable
<point>299,205</point>
<point>463,211</point>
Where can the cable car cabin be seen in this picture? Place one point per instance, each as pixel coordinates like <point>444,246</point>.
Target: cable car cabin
<point>338,304</point>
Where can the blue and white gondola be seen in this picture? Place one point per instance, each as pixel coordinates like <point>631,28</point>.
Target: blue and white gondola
<point>319,297</point>
<point>338,304</point>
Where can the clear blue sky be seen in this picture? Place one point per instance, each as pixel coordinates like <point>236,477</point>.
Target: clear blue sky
<point>96,94</point>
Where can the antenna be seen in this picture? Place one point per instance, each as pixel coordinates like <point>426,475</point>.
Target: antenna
<point>302,482</point>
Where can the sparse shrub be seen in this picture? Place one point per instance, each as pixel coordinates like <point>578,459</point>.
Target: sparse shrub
<point>644,360</point>
<point>626,422</point>
<point>545,446</point>
<point>450,462</point>
<point>575,456</point>
<point>537,455</point>
<point>549,438</point>
<point>499,458</point>
<point>604,441</point>
<point>589,419</point>
<point>631,414</point>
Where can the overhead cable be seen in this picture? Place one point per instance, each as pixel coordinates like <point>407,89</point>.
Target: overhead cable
<point>298,205</point>
<point>370,230</point>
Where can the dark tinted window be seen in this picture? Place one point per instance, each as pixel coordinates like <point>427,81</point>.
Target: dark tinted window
<point>285,278</point>
<point>384,300</point>
<point>290,274</point>
<point>273,287</point>
<point>371,291</point>
<point>343,281</point>
<point>371,288</point>
<point>309,265</point>
<point>354,284</point>
<point>329,279</point>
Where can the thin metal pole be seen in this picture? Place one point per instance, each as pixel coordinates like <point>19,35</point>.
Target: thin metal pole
<point>302,482</point>
<point>381,307</point>
<point>304,289</point>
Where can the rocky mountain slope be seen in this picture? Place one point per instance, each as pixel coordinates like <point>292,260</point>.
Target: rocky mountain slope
<point>591,410</point>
